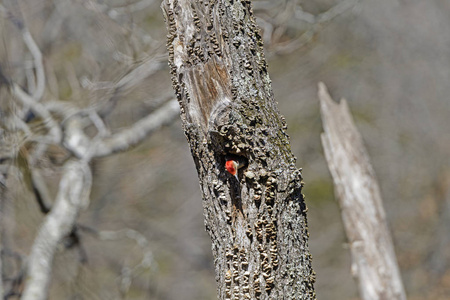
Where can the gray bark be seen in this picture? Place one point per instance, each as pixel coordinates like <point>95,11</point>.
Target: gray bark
<point>257,223</point>
<point>374,264</point>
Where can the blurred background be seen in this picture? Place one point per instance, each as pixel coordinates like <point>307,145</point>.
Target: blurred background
<point>389,59</point>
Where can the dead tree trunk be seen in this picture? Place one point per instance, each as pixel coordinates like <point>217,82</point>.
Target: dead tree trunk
<point>374,262</point>
<point>257,220</point>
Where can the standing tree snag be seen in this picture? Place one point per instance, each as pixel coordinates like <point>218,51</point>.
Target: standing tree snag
<point>373,258</point>
<point>256,220</point>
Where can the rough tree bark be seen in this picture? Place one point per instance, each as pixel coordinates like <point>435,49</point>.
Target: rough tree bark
<point>374,262</point>
<point>257,222</point>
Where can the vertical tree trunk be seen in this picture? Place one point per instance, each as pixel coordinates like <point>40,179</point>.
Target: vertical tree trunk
<point>257,221</point>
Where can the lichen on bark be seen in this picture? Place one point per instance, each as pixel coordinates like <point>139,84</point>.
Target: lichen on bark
<point>257,223</point>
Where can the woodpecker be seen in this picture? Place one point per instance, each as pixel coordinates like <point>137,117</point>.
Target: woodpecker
<point>233,164</point>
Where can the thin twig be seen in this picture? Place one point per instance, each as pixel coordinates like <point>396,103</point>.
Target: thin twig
<point>146,262</point>
<point>129,81</point>
<point>316,23</point>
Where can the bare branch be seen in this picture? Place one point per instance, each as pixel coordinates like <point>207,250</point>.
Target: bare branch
<point>114,12</point>
<point>74,190</point>
<point>55,116</point>
<point>141,129</point>
<point>64,109</point>
<point>134,7</point>
<point>374,261</point>
<point>99,124</point>
<point>316,23</point>
<point>336,10</point>
<point>34,50</point>
<point>130,80</point>
<point>75,187</point>
<point>40,190</point>
<point>39,66</point>
<point>140,73</point>
<point>39,109</point>
<point>78,143</point>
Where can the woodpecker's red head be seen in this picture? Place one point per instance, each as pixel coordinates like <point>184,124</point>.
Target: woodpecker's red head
<point>233,163</point>
<point>232,166</point>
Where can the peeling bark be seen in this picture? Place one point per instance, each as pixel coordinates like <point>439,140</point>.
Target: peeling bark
<point>257,223</point>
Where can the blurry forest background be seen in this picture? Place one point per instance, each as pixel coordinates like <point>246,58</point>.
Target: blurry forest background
<point>389,59</point>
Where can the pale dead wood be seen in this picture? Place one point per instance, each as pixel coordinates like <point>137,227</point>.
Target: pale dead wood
<point>374,264</point>
<point>72,196</point>
<point>79,143</point>
<point>40,110</point>
<point>38,64</point>
<point>74,190</point>
<point>65,125</point>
